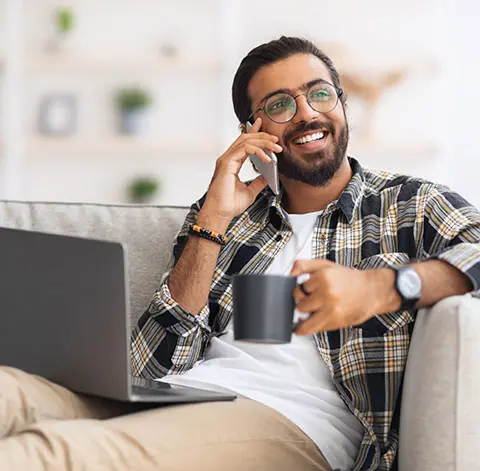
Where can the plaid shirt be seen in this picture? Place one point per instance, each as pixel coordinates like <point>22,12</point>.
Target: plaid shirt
<point>381,219</point>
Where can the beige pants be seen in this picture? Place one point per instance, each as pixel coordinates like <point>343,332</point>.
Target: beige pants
<point>46,427</point>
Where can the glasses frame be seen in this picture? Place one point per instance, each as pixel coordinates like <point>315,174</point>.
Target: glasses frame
<point>339,92</point>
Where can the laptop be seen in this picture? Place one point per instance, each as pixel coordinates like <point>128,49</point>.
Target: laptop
<point>64,315</point>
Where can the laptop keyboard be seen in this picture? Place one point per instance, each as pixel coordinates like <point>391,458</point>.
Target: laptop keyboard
<point>150,384</point>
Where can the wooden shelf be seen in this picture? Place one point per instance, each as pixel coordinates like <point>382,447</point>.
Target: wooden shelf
<point>63,63</point>
<point>119,145</point>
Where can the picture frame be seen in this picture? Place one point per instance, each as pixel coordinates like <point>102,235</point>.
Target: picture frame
<point>58,115</point>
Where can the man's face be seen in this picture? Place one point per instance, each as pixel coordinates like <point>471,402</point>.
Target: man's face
<point>314,162</point>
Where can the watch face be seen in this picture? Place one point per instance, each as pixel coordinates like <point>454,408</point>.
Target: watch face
<point>410,284</point>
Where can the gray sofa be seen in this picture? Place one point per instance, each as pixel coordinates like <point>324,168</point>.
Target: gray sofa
<point>440,422</point>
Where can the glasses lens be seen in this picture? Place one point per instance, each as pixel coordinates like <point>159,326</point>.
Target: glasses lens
<point>280,108</point>
<point>322,97</point>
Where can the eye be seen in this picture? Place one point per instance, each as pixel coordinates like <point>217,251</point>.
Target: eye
<point>279,104</point>
<point>320,94</point>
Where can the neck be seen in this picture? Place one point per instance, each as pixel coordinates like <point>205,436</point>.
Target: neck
<point>301,198</point>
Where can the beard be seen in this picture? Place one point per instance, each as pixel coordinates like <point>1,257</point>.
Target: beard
<point>328,161</point>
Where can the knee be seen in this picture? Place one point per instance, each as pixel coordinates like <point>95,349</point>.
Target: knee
<point>84,444</point>
<point>10,376</point>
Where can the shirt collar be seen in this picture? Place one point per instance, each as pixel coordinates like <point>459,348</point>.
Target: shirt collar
<point>351,197</point>
<point>347,203</point>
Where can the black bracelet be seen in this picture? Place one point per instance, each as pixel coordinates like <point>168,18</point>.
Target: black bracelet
<point>198,231</point>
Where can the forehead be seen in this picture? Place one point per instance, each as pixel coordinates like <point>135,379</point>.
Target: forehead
<point>289,73</point>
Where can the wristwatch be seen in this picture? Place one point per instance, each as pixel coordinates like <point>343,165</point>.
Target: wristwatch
<point>408,285</point>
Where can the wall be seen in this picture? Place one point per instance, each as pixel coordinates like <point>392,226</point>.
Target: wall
<point>193,117</point>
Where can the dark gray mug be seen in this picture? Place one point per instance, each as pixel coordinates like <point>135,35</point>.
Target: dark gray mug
<point>263,308</point>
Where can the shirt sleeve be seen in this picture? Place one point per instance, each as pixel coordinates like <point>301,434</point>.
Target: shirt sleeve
<point>452,233</point>
<point>168,339</point>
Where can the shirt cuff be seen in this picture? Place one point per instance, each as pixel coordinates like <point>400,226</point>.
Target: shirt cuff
<point>173,317</point>
<point>466,258</point>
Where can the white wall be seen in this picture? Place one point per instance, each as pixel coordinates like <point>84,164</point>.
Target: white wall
<point>463,119</point>
<point>420,131</point>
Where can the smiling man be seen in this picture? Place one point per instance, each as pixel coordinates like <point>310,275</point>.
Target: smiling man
<point>368,247</point>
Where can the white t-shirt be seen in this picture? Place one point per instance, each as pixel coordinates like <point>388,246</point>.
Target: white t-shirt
<point>290,378</point>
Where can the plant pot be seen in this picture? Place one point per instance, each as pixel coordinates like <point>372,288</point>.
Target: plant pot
<point>133,122</point>
<point>60,43</point>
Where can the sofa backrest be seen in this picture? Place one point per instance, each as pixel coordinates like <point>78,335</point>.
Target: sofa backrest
<point>147,231</point>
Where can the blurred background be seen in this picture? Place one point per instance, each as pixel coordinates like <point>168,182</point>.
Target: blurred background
<point>119,101</point>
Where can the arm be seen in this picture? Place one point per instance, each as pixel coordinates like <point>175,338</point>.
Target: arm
<point>439,280</point>
<point>451,243</point>
<point>342,296</point>
<point>173,332</point>
<point>190,280</point>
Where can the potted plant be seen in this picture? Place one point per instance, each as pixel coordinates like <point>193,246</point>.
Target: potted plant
<point>143,189</point>
<point>64,22</point>
<point>132,104</point>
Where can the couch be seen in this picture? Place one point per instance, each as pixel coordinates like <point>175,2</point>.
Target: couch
<point>440,424</point>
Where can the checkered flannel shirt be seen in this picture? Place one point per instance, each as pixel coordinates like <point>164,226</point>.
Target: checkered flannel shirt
<point>381,219</point>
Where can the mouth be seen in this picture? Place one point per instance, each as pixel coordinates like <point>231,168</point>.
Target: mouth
<point>311,141</point>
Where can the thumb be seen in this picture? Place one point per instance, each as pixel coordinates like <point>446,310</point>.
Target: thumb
<point>257,185</point>
<point>300,267</point>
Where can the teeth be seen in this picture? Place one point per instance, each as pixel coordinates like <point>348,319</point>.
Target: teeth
<point>309,138</point>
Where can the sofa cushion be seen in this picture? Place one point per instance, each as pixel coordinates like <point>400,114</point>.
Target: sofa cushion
<point>147,232</point>
<point>439,426</point>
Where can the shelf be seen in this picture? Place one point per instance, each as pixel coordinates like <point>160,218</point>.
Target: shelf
<point>63,63</point>
<point>119,145</point>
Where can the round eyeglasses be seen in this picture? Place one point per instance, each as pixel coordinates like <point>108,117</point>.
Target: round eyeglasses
<point>282,107</point>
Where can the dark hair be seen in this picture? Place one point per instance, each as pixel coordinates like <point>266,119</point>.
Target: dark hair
<point>269,53</point>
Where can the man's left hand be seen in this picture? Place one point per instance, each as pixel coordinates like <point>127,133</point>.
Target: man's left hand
<point>339,296</point>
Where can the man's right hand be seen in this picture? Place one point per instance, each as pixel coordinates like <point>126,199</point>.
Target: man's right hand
<point>227,195</point>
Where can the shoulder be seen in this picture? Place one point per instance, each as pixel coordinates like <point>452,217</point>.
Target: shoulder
<point>390,185</point>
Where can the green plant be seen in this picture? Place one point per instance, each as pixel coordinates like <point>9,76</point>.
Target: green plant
<point>64,19</point>
<point>143,188</point>
<point>133,99</point>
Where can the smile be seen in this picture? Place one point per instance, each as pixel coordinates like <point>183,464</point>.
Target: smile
<point>317,136</point>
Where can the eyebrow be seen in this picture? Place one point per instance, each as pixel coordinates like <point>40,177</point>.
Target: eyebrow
<point>303,87</point>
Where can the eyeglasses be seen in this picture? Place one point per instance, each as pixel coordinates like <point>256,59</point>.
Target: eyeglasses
<point>282,107</point>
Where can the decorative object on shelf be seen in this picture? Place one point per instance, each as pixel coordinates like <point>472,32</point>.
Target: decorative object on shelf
<point>367,78</point>
<point>370,91</point>
<point>169,49</point>
<point>132,104</point>
<point>143,189</point>
<point>58,115</point>
<point>64,22</point>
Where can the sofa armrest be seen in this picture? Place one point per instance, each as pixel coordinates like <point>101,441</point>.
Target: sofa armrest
<point>440,417</point>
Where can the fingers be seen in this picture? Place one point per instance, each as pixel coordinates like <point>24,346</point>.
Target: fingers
<point>258,141</point>
<point>255,131</point>
<point>310,302</point>
<point>252,146</point>
<point>319,321</point>
<point>256,126</point>
<point>298,294</point>
<point>301,267</point>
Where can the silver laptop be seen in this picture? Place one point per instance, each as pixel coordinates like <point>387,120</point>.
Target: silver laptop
<point>64,315</point>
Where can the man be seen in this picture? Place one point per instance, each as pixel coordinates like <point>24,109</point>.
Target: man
<point>365,220</point>
<point>330,399</point>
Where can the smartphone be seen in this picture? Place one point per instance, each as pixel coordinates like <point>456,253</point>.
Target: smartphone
<point>268,170</point>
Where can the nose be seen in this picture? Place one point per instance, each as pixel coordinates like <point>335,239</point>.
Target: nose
<point>304,112</point>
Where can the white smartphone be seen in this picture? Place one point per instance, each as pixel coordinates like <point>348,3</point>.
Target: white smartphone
<point>268,170</point>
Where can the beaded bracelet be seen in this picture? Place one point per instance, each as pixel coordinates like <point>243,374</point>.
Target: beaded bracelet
<point>207,234</point>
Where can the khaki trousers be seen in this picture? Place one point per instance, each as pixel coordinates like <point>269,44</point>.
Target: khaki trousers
<point>44,426</point>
